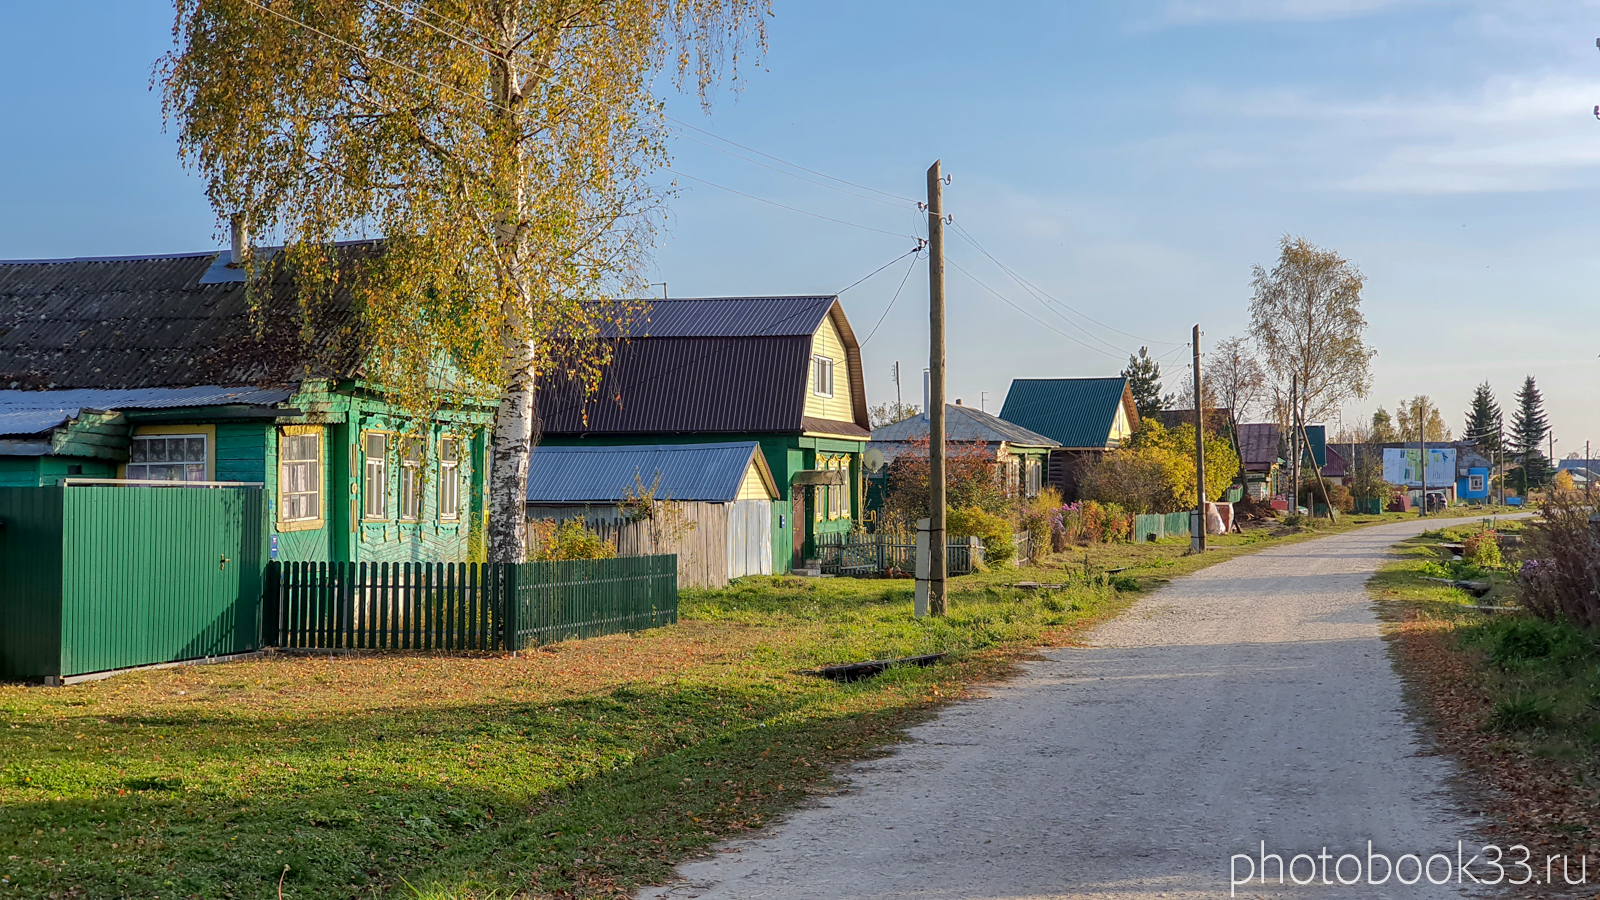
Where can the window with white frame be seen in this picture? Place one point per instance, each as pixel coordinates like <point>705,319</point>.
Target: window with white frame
<point>167,457</point>
<point>411,479</point>
<point>449,478</point>
<point>375,475</point>
<point>1475,483</point>
<point>300,477</point>
<point>1035,476</point>
<point>822,376</point>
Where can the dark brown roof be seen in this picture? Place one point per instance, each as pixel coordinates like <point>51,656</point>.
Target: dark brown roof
<point>709,366</point>
<point>152,322</point>
<point>1259,446</point>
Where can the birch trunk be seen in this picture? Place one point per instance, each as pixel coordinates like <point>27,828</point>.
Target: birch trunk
<point>515,425</point>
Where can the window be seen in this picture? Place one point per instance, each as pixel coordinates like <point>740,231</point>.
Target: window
<point>1035,476</point>
<point>375,475</point>
<point>411,480</point>
<point>299,477</point>
<point>1475,483</point>
<point>449,478</point>
<point>822,376</point>
<point>167,457</point>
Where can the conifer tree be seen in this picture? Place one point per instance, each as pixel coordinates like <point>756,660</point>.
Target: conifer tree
<point>1144,380</point>
<point>1528,429</point>
<point>1484,421</point>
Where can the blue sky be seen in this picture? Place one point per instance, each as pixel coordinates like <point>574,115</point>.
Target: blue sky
<point>1134,159</point>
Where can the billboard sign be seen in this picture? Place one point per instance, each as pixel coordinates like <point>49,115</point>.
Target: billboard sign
<point>1402,466</point>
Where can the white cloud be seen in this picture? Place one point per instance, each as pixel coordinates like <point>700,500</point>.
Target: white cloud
<point>1278,10</point>
<point>1511,134</point>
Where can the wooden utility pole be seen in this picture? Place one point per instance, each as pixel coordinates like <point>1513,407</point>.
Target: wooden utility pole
<point>1294,445</point>
<point>936,529</point>
<point>1422,454</point>
<point>1197,537</point>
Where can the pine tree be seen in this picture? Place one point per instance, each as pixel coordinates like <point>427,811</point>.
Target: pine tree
<point>1383,427</point>
<point>1528,429</point>
<point>1484,421</point>
<point>1144,380</point>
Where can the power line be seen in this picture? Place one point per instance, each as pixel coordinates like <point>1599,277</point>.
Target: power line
<point>896,296</point>
<point>967,236</point>
<point>916,249</point>
<point>1019,309</point>
<point>763,165</point>
<point>786,206</point>
<point>366,53</point>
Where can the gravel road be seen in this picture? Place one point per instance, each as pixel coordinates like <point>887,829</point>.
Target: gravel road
<point>1253,701</point>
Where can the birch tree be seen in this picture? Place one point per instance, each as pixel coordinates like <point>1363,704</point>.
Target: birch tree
<point>1307,324</point>
<point>498,147</point>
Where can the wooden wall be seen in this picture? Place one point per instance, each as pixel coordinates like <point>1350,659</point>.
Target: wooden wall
<point>710,548</point>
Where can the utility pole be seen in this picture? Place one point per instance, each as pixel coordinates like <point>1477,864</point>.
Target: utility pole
<point>897,402</point>
<point>1197,535</point>
<point>1294,445</point>
<point>936,530</point>
<point>1422,454</point>
<point>1588,481</point>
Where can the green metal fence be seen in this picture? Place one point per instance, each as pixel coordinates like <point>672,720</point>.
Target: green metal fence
<point>102,577</point>
<point>1161,525</point>
<point>464,606</point>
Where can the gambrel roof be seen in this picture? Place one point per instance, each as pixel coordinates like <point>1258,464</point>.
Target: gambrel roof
<point>721,365</point>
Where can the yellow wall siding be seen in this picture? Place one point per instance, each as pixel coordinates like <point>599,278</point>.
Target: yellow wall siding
<point>1119,428</point>
<point>753,488</point>
<point>826,342</point>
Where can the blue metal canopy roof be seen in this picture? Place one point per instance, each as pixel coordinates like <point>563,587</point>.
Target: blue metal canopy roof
<point>600,474</point>
<point>34,412</point>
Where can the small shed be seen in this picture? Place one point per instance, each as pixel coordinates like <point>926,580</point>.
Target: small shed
<point>711,504</point>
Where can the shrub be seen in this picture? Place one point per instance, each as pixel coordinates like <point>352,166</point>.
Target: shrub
<point>994,531</point>
<point>1036,517</point>
<point>1521,713</point>
<point>572,539</point>
<point>1482,549</point>
<point>1561,580</point>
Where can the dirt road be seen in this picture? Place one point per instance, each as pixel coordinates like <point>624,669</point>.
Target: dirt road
<point>1251,702</point>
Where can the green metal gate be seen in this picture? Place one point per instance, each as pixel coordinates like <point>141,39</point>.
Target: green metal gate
<point>101,577</point>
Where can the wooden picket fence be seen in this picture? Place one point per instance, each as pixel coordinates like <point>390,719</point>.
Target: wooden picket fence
<point>463,606</point>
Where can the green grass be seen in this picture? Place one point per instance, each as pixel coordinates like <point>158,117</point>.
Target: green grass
<point>1538,682</point>
<point>580,770</point>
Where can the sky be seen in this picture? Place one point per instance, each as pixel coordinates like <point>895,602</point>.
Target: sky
<point>1131,160</point>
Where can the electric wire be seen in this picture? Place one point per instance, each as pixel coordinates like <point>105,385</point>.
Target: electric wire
<point>1007,301</point>
<point>896,296</point>
<point>1028,285</point>
<point>916,249</point>
<point>785,205</point>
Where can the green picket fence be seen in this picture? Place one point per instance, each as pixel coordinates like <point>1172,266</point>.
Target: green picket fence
<point>1161,525</point>
<point>463,606</point>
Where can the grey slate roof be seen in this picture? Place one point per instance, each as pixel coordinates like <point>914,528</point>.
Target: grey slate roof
<point>1075,412</point>
<point>35,412</point>
<point>142,322</point>
<point>601,474</point>
<point>734,365</point>
<point>963,423</point>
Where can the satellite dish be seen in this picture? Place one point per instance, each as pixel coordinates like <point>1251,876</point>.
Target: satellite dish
<point>873,459</point>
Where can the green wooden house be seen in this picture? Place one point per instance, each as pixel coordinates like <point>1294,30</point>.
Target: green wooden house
<point>1088,417</point>
<point>782,371</point>
<point>156,369</point>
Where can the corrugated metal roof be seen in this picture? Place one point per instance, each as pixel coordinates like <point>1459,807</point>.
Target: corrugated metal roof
<point>598,474</point>
<point>736,365</point>
<point>730,317</point>
<point>1075,412</point>
<point>1259,445</point>
<point>149,322</point>
<point>963,423</point>
<point>34,412</point>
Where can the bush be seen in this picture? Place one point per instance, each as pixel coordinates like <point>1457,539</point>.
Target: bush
<point>1036,517</point>
<point>571,539</point>
<point>994,531</point>
<point>1482,549</point>
<point>1561,580</point>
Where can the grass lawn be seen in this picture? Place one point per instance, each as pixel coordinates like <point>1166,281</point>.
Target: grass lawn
<point>1512,698</point>
<point>577,770</point>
